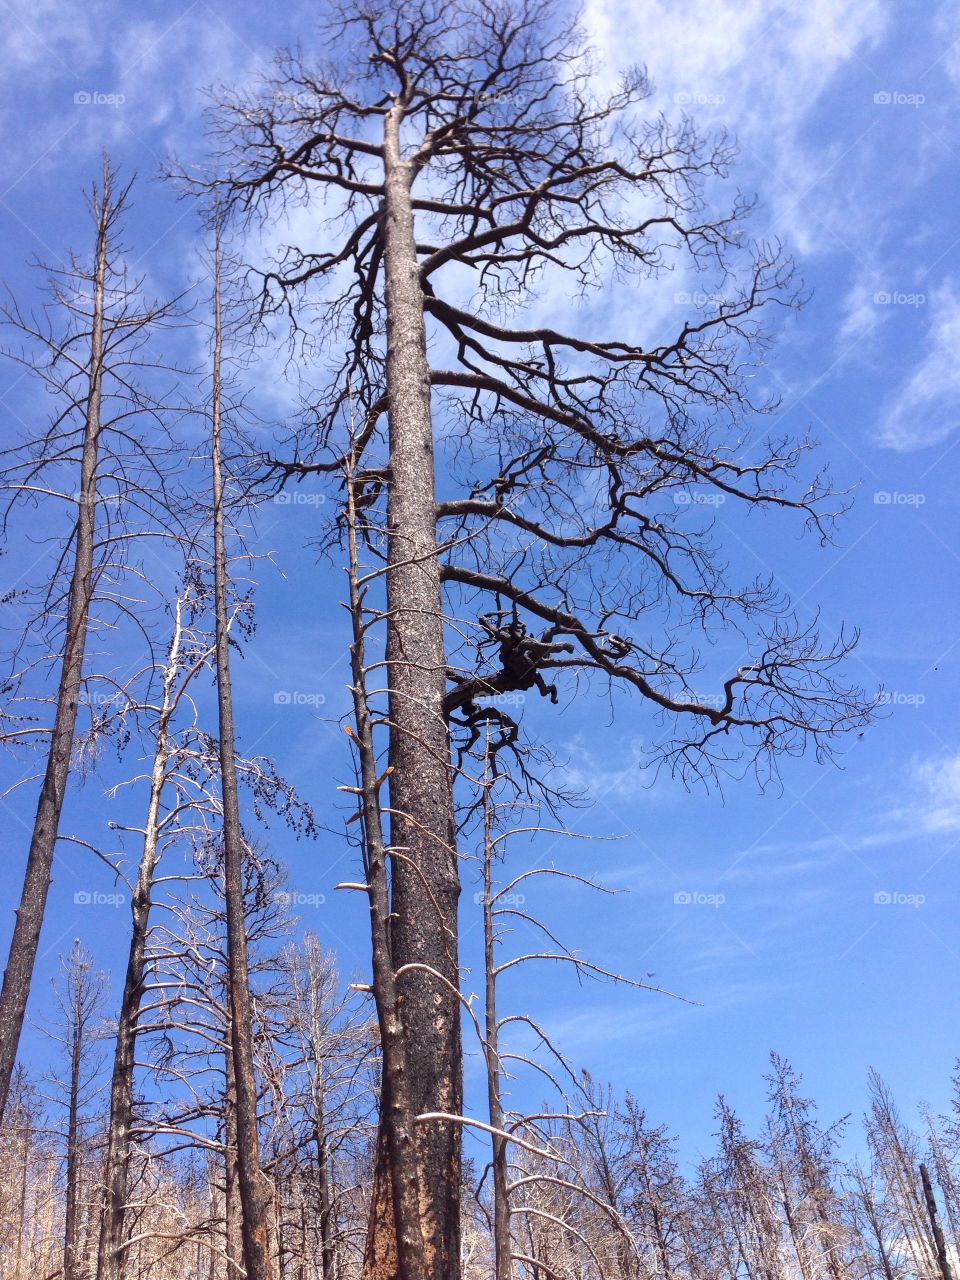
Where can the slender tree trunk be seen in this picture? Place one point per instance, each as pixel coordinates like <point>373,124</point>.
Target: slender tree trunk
<point>943,1261</point>
<point>395,1245</point>
<point>231,1190</point>
<point>71,1223</point>
<point>502,1235</point>
<point>798,1245</point>
<point>877,1229</point>
<point>327,1259</point>
<point>117,1163</point>
<point>424,872</point>
<point>26,933</point>
<point>253,1197</point>
<point>24,1184</point>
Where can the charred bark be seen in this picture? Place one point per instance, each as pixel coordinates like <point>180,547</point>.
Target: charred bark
<point>943,1261</point>
<point>253,1198</point>
<point>36,885</point>
<point>117,1161</point>
<point>424,874</point>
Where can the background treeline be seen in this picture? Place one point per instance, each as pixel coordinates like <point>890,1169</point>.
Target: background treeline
<point>599,1192</point>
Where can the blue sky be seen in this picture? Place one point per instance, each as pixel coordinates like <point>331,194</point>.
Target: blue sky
<point>820,919</point>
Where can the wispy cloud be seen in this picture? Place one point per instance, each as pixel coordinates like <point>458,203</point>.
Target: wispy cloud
<point>938,807</point>
<point>926,408</point>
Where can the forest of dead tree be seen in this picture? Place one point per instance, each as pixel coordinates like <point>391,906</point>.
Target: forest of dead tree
<point>511,506</point>
<point>598,1191</point>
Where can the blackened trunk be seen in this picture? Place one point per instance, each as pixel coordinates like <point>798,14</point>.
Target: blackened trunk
<point>231,1182</point>
<point>253,1197</point>
<point>71,1217</point>
<point>395,1245</point>
<point>502,1234</point>
<point>943,1261</point>
<point>36,884</point>
<point>324,1198</point>
<point>117,1163</point>
<point>425,879</point>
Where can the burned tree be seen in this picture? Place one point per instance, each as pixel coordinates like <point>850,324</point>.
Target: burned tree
<point>253,1194</point>
<point>172,801</point>
<point>537,484</point>
<point>86,347</point>
<point>79,1026</point>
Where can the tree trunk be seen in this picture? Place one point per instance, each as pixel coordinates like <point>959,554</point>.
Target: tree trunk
<point>24,1184</point>
<point>943,1261</point>
<point>327,1257</point>
<point>71,1222</point>
<point>231,1191</point>
<point>394,1246</point>
<point>502,1235</point>
<point>36,884</point>
<point>117,1163</point>
<point>253,1198</point>
<point>424,872</point>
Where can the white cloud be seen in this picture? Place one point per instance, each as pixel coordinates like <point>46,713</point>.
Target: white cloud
<point>926,408</point>
<point>607,776</point>
<point>860,312</point>
<point>938,809</point>
<point>760,68</point>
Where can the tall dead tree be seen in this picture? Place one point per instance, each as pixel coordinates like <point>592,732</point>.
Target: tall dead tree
<point>803,1159</point>
<point>107,207</point>
<point>465,165</point>
<point>80,1000</point>
<point>896,1150</point>
<point>87,349</point>
<point>943,1258</point>
<point>253,1196</point>
<point>164,823</point>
